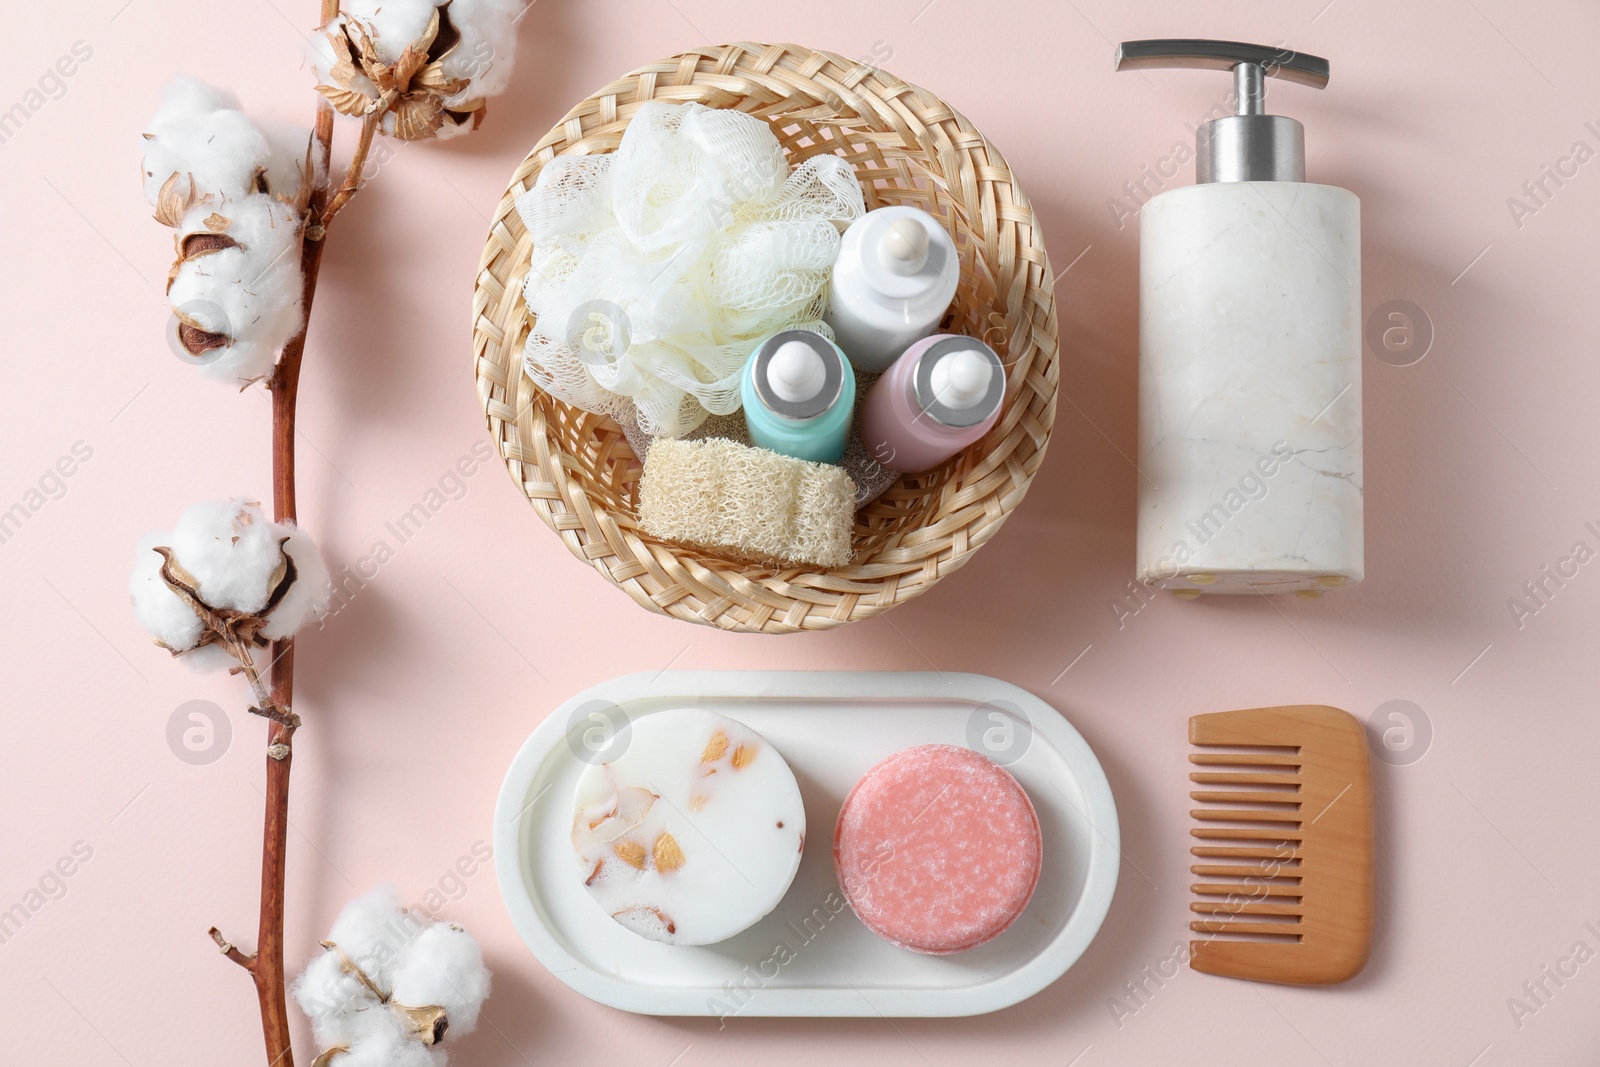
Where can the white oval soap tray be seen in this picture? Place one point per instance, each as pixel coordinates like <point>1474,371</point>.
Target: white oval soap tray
<point>811,955</point>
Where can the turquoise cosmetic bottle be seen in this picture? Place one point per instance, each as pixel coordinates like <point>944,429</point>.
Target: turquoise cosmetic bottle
<point>799,393</point>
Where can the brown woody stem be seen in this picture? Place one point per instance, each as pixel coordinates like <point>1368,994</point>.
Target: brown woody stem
<point>358,161</point>
<point>266,966</point>
<point>266,703</point>
<point>231,951</point>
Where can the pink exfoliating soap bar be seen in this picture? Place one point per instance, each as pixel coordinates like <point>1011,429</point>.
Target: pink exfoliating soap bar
<point>937,849</point>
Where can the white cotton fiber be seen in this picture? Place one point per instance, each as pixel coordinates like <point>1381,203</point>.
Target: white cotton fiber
<point>444,966</point>
<point>487,48</point>
<point>380,1038</point>
<point>201,131</point>
<point>338,1004</point>
<point>168,619</point>
<point>658,268</point>
<point>308,598</point>
<point>250,292</point>
<point>392,24</point>
<point>482,53</point>
<point>294,158</point>
<point>372,930</point>
<point>413,965</point>
<point>230,549</point>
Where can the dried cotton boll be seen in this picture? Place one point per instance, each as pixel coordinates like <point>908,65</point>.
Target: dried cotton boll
<point>201,144</point>
<point>431,66</point>
<point>368,935</point>
<point>443,966</point>
<point>236,287</point>
<point>389,987</point>
<point>237,562</point>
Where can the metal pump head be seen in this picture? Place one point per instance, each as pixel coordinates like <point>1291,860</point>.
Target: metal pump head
<point>1249,145</point>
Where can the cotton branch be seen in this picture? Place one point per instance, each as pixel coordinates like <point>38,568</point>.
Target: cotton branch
<point>232,952</point>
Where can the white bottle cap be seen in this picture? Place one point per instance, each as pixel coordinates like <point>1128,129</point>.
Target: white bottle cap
<point>796,372</point>
<point>961,379</point>
<point>904,247</point>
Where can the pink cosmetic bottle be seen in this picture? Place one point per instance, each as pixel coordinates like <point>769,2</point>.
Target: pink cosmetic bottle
<point>940,396</point>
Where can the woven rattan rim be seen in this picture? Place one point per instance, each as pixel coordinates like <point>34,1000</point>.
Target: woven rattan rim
<point>908,147</point>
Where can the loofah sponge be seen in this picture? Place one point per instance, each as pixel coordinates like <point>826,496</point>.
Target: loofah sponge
<point>656,268</point>
<point>871,478</point>
<point>735,500</point>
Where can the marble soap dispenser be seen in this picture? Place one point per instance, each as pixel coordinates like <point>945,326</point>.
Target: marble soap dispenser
<point>1249,350</point>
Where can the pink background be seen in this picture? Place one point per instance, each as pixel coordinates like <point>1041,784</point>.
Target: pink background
<point>1481,467</point>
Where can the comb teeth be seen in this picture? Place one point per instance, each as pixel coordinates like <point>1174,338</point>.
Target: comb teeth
<point>1283,843</point>
<point>1261,834</point>
<point>1244,796</point>
<point>1260,852</point>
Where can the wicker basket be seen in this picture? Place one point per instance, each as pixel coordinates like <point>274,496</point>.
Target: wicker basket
<point>908,147</point>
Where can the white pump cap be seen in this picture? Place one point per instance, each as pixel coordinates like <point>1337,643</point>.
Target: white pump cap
<point>904,247</point>
<point>796,372</point>
<point>961,379</point>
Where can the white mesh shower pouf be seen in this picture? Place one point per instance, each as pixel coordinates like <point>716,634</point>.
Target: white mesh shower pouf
<point>659,267</point>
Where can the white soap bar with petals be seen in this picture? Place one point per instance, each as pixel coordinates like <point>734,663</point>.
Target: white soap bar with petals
<point>693,833</point>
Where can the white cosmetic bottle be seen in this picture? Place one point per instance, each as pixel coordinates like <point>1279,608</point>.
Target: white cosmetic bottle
<point>1250,475</point>
<point>892,283</point>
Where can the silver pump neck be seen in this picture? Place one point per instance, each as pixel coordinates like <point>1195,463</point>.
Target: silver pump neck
<point>1249,145</point>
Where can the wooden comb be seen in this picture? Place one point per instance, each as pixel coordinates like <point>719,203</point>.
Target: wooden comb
<point>1285,847</point>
